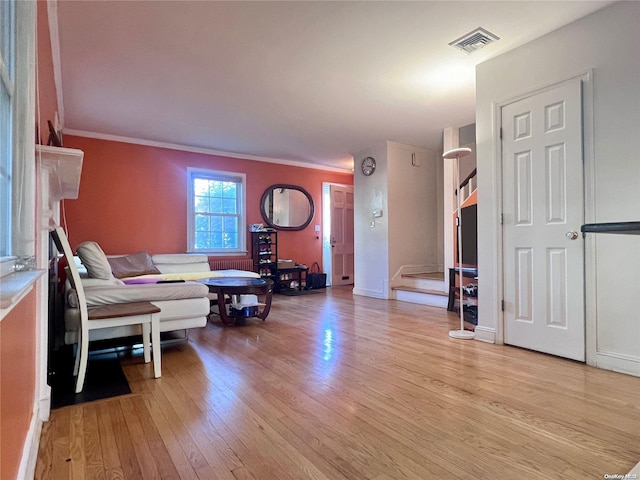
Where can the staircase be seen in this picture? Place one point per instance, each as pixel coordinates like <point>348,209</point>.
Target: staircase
<point>423,288</point>
<point>430,288</point>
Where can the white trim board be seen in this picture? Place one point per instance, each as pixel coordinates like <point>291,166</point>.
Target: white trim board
<point>206,151</point>
<point>31,446</point>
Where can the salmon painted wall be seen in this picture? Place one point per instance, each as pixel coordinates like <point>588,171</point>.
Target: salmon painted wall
<point>47,101</point>
<point>134,197</point>
<point>17,382</point>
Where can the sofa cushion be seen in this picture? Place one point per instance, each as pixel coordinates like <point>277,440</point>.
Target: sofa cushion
<point>181,262</point>
<point>100,282</point>
<point>94,260</point>
<point>144,292</point>
<point>185,276</point>
<point>132,265</point>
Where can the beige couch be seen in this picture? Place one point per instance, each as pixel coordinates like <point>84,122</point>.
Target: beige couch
<point>184,304</point>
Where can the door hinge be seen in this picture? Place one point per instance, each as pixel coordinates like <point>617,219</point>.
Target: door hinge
<point>500,133</point>
<point>501,219</point>
<point>502,305</point>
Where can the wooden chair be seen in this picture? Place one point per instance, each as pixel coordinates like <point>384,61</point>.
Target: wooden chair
<point>145,314</point>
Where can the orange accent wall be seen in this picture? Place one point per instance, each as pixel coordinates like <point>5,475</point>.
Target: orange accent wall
<point>17,382</point>
<point>47,104</point>
<point>134,197</point>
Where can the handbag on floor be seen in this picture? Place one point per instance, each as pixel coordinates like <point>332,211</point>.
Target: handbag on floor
<point>315,278</point>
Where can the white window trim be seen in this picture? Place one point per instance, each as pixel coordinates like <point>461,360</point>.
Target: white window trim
<point>7,83</point>
<point>242,233</point>
<point>15,285</point>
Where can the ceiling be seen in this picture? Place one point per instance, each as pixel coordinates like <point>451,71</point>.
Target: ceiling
<point>302,81</point>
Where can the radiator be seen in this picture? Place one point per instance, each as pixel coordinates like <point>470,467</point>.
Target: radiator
<point>231,264</point>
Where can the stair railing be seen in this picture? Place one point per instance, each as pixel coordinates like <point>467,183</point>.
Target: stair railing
<point>468,186</point>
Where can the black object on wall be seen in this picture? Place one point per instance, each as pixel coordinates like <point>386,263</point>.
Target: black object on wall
<point>469,235</point>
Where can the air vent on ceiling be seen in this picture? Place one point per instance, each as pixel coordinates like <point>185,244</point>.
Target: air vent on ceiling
<point>475,40</point>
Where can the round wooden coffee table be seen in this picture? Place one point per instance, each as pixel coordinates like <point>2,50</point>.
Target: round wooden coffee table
<point>222,286</point>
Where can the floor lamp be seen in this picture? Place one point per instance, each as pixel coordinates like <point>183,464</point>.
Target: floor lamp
<point>451,154</point>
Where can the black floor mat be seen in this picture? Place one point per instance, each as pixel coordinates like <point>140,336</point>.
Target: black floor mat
<point>104,378</point>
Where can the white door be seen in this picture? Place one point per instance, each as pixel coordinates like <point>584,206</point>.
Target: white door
<point>542,213</point>
<point>342,258</point>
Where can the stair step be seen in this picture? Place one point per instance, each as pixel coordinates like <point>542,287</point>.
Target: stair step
<point>421,290</point>
<point>422,296</point>
<point>432,281</point>
<point>429,275</point>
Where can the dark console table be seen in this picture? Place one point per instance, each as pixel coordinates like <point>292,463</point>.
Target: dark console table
<point>285,277</point>
<point>465,272</point>
<point>222,286</point>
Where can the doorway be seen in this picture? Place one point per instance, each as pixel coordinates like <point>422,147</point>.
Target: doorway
<point>542,211</point>
<point>337,222</point>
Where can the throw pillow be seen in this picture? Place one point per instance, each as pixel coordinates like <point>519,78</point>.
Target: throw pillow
<point>94,260</point>
<point>133,265</point>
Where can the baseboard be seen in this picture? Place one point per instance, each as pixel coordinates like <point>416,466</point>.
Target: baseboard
<point>369,293</point>
<point>27,467</point>
<point>618,363</point>
<point>485,334</point>
<point>44,409</point>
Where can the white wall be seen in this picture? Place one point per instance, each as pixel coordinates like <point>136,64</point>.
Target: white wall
<point>407,232</point>
<point>371,253</point>
<point>412,208</point>
<point>439,211</point>
<point>467,139</point>
<point>606,42</point>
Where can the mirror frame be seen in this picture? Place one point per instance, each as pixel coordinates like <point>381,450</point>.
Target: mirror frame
<point>266,218</point>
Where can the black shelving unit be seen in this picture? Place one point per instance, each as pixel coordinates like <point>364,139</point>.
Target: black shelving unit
<point>264,252</point>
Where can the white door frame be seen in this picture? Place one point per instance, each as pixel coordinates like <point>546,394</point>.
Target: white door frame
<point>497,336</point>
<point>327,262</point>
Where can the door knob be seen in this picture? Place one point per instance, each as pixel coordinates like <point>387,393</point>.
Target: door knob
<point>572,235</point>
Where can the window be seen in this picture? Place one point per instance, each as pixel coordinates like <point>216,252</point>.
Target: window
<point>7,101</point>
<point>216,218</point>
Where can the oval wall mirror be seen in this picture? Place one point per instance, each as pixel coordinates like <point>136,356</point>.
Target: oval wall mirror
<point>286,207</point>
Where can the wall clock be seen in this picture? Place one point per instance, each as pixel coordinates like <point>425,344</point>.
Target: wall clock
<point>368,166</point>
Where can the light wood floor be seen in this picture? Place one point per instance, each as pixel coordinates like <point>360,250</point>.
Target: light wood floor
<point>339,387</point>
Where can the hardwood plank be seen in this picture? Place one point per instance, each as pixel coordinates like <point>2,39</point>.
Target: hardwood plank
<point>61,455</point>
<point>128,461</point>
<point>45,451</point>
<point>108,442</point>
<point>172,442</point>
<point>145,435</point>
<point>76,445</point>
<point>94,464</point>
<point>338,387</point>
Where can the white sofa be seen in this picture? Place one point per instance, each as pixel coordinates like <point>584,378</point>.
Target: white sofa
<point>184,304</point>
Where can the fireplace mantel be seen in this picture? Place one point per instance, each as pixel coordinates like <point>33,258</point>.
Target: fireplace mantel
<point>59,174</point>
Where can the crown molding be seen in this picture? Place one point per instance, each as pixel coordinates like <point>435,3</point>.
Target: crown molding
<point>206,151</point>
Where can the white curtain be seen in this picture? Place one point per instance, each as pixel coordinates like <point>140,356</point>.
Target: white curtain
<point>24,167</point>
